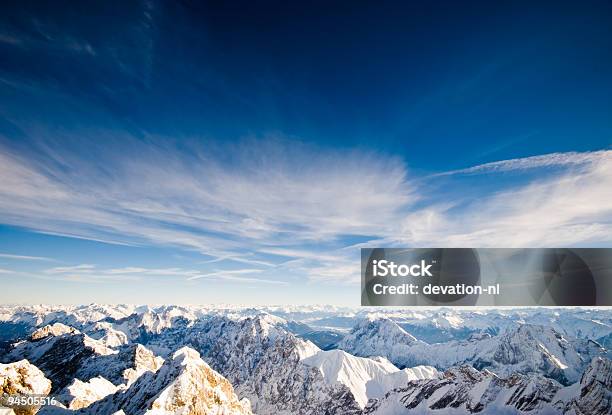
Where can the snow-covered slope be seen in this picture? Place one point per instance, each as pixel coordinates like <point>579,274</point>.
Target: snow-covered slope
<point>365,378</point>
<point>106,333</point>
<point>525,349</point>
<point>80,394</point>
<point>380,336</point>
<point>380,387</point>
<point>466,390</point>
<point>539,349</point>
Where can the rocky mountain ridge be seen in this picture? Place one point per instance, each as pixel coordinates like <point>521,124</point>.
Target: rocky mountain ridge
<point>111,354</point>
<point>466,390</point>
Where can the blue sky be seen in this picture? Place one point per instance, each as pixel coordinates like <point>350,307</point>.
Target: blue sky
<point>165,152</point>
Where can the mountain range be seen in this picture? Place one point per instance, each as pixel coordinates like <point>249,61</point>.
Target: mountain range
<point>102,359</point>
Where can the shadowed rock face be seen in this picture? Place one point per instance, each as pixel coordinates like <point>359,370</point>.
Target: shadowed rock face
<point>64,354</point>
<point>123,367</point>
<point>59,359</point>
<point>470,391</point>
<point>595,389</point>
<point>58,350</point>
<point>263,362</point>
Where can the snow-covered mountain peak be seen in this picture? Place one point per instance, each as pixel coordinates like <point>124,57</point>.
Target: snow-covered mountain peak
<point>592,395</point>
<point>379,336</point>
<point>339,367</point>
<point>23,378</point>
<point>55,329</point>
<point>139,360</point>
<point>448,319</point>
<point>492,360</point>
<point>269,318</point>
<point>81,394</point>
<point>366,378</point>
<point>375,325</point>
<point>262,328</point>
<point>184,384</point>
<point>266,325</point>
<point>75,355</point>
<point>306,348</point>
<point>106,333</point>
<point>535,332</point>
<point>265,364</point>
<point>186,355</point>
<point>546,350</point>
<point>380,322</point>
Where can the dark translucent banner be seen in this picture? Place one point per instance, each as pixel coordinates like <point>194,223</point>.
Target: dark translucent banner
<point>486,277</point>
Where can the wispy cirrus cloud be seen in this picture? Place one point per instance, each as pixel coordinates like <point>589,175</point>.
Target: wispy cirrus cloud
<point>93,273</point>
<point>283,208</point>
<point>534,162</point>
<point>569,208</point>
<point>277,196</point>
<point>237,275</point>
<point>81,268</point>
<point>25,257</point>
<point>222,273</point>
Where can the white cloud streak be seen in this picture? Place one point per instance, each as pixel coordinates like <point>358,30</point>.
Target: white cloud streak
<point>253,280</point>
<point>287,207</point>
<point>224,273</point>
<point>571,208</point>
<point>25,257</point>
<point>236,275</point>
<point>534,162</point>
<point>82,268</point>
<point>93,273</point>
<point>275,197</point>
